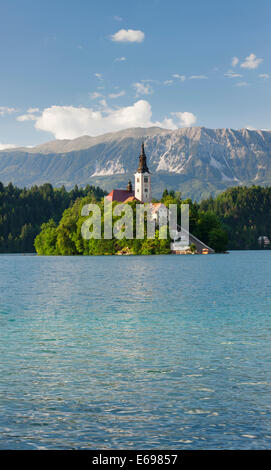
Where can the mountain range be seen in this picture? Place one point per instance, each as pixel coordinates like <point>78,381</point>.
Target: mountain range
<point>196,161</point>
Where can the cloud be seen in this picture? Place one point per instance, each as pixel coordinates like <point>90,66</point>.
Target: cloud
<point>117,95</point>
<point>103,104</point>
<point>99,76</point>
<point>118,18</point>
<point>33,110</point>
<point>265,76</point>
<point>234,61</point>
<point>179,77</point>
<point>198,77</point>
<point>7,146</point>
<point>69,122</point>
<point>185,119</point>
<point>27,117</point>
<point>168,82</point>
<point>242,84</point>
<point>120,59</point>
<point>128,35</point>
<point>30,115</point>
<point>6,110</point>
<point>232,74</point>
<point>142,89</point>
<point>95,95</point>
<point>251,62</point>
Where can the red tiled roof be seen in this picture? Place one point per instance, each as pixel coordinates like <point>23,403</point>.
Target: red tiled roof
<point>156,206</point>
<point>131,199</point>
<point>119,195</point>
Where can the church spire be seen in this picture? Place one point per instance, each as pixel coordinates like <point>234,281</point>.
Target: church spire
<point>129,186</point>
<point>142,168</point>
<point>142,149</point>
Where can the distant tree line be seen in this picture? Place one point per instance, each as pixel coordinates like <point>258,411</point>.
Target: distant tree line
<point>23,211</point>
<point>245,214</point>
<point>235,220</point>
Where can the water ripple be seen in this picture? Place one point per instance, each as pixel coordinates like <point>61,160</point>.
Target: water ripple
<point>135,352</point>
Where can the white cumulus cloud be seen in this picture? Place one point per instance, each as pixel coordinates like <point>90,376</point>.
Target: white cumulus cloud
<point>185,119</point>
<point>128,35</point>
<point>120,59</point>
<point>251,62</point>
<point>265,76</point>
<point>69,122</point>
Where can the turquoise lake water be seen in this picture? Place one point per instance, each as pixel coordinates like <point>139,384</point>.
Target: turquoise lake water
<point>150,352</point>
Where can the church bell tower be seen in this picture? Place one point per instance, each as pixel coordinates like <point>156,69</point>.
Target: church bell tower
<point>143,178</point>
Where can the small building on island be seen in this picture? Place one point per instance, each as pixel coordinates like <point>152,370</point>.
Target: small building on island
<point>142,194</point>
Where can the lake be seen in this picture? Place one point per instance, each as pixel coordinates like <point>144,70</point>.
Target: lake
<point>139,352</point>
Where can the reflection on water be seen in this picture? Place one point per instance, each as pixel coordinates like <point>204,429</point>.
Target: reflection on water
<point>135,352</point>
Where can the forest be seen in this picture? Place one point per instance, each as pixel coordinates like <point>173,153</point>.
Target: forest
<point>245,213</point>
<point>23,211</point>
<point>47,220</point>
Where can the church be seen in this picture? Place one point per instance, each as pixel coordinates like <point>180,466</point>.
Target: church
<point>142,191</point>
<point>142,194</point>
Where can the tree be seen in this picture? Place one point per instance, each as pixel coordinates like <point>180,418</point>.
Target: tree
<point>218,239</point>
<point>45,242</point>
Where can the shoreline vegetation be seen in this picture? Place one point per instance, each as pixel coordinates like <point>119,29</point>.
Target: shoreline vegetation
<point>66,238</point>
<point>47,220</point>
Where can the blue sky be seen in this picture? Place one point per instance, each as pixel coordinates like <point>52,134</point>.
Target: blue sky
<point>70,68</point>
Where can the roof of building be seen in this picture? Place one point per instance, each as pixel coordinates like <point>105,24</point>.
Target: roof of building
<point>143,167</point>
<point>119,195</point>
<point>156,206</point>
<point>131,199</point>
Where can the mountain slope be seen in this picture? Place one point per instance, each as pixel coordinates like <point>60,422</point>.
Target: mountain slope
<point>197,161</point>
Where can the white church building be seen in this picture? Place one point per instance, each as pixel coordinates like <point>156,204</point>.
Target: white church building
<point>143,179</point>
<point>142,191</point>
